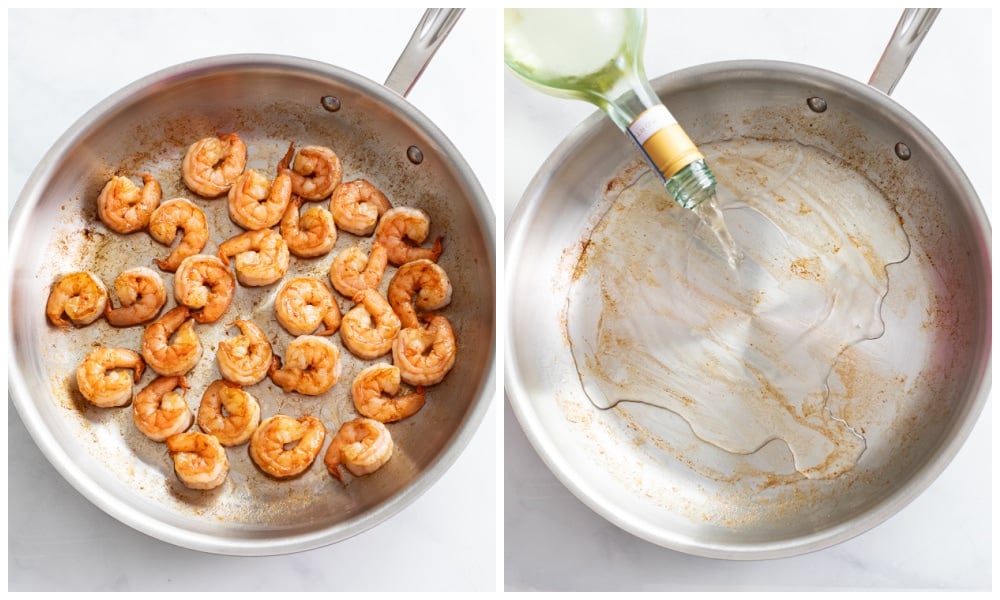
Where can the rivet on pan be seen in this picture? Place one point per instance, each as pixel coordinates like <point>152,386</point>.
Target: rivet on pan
<point>903,151</point>
<point>330,103</point>
<point>415,155</point>
<point>816,104</point>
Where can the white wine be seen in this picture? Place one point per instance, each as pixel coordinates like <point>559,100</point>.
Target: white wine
<point>596,55</point>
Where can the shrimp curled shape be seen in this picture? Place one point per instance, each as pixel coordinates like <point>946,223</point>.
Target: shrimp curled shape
<point>101,377</point>
<point>368,329</point>
<point>182,214</point>
<point>81,297</point>
<point>419,284</point>
<point>316,172</point>
<point>212,164</point>
<point>255,202</point>
<point>246,358</point>
<point>357,205</point>
<point>305,303</point>
<point>375,392</point>
<point>261,256</point>
<point>172,358</point>
<point>142,295</point>
<point>125,207</point>
<point>426,353</point>
<point>310,234</point>
<point>311,366</point>
<point>159,412</point>
<point>205,285</point>
<point>353,271</point>
<point>228,412</point>
<point>200,461</point>
<point>362,445</point>
<point>401,230</point>
<point>283,446</point>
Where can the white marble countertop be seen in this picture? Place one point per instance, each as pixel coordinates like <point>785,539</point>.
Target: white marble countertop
<point>61,64</point>
<point>942,540</point>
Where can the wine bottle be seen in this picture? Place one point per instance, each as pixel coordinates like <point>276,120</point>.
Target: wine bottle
<point>596,55</point>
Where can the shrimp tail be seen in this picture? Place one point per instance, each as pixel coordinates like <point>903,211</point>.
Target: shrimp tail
<point>140,366</point>
<point>287,160</point>
<point>437,248</point>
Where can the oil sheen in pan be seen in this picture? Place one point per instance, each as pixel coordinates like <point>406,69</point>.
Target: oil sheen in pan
<point>745,356</point>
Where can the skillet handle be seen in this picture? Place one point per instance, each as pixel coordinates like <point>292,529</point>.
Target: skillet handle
<point>434,26</point>
<point>910,31</point>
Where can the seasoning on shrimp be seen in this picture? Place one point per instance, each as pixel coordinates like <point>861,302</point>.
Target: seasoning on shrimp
<point>182,214</point>
<point>81,297</point>
<point>368,329</point>
<point>102,376</point>
<point>200,461</point>
<point>362,445</point>
<point>261,256</point>
<point>159,412</point>
<point>255,202</point>
<point>141,293</point>
<point>426,353</point>
<point>375,392</point>
<point>353,271</point>
<point>311,366</point>
<point>246,358</point>
<point>228,412</point>
<point>401,230</point>
<point>310,234</point>
<point>175,357</point>
<point>357,205</point>
<point>205,285</point>
<point>283,446</point>
<point>212,164</point>
<point>419,284</point>
<point>303,304</point>
<point>316,172</point>
<point>125,207</point>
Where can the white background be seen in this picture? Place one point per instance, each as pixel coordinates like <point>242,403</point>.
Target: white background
<point>61,64</point>
<point>942,540</point>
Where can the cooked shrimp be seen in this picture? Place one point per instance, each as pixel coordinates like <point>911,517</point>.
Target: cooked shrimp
<point>311,234</point>
<point>353,271</point>
<point>284,446</point>
<point>142,295</point>
<point>401,230</point>
<point>357,205</point>
<point>81,296</point>
<point>200,461</point>
<point>125,207</point>
<point>160,412</point>
<point>179,213</point>
<point>369,328</point>
<point>362,445</point>
<point>425,354</point>
<point>261,256</point>
<point>100,380</point>
<point>312,366</point>
<point>245,358</point>
<point>255,202</point>
<point>316,172</point>
<point>420,284</point>
<point>375,396</point>
<point>305,303</point>
<point>205,285</point>
<point>212,164</point>
<point>228,412</point>
<point>174,358</point>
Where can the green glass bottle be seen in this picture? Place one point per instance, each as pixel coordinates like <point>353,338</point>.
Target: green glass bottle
<point>596,55</point>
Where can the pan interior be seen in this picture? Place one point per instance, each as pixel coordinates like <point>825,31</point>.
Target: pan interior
<point>269,102</point>
<point>879,407</point>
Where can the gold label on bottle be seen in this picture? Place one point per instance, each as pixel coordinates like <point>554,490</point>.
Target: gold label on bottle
<point>663,139</point>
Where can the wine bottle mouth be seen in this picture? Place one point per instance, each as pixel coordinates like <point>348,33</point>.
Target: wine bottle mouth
<point>692,185</point>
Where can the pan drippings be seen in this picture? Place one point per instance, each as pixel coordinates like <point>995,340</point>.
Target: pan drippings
<point>656,315</point>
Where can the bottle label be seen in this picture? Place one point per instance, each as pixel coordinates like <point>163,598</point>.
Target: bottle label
<point>663,140</point>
